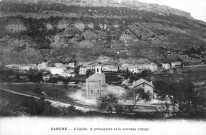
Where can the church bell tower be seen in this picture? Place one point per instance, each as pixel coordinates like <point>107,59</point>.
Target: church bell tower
<point>98,69</point>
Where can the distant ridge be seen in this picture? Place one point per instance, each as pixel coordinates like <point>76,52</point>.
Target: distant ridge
<point>159,9</point>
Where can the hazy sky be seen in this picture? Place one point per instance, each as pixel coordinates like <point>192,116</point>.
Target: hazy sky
<point>197,8</point>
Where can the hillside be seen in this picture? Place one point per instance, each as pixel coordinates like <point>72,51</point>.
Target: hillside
<point>34,30</point>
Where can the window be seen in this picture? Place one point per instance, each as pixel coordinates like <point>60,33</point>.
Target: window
<point>97,70</point>
<point>91,91</point>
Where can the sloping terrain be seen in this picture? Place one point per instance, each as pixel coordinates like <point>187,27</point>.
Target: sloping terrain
<point>34,30</point>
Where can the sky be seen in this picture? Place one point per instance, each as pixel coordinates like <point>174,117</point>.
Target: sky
<point>197,8</point>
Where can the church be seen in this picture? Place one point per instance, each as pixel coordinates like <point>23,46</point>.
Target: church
<point>96,86</point>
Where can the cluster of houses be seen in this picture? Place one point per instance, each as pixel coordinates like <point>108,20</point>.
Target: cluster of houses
<point>96,85</point>
<point>171,65</point>
<point>56,69</point>
<point>67,70</point>
<point>64,70</point>
<point>134,68</point>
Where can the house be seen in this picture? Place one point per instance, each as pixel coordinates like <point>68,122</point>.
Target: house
<point>62,71</point>
<point>23,67</point>
<point>60,65</point>
<point>46,78</point>
<point>143,66</point>
<point>110,68</point>
<point>71,65</point>
<point>84,66</point>
<point>56,70</point>
<point>95,85</point>
<point>166,65</point>
<point>68,73</point>
<point>90,67</point>
<point>150,66</point>
<point>153,67</point>
<point>131,68</point>
<point>137,68</point>
<point>124,66</point>
<point>146,85</point>
<point>82,70</point>
<point>176,64</point>
<point>134,69</point>
<point>43,65</point>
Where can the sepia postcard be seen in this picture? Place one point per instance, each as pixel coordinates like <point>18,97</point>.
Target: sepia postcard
<point>96,67</point>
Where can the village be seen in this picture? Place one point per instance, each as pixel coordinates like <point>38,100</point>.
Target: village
<point>88,67</point>
<point>96,79</point>
<point>102,67</point>
<point>107,65</point>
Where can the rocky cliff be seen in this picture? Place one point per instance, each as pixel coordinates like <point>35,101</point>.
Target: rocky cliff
<point>85,29</point>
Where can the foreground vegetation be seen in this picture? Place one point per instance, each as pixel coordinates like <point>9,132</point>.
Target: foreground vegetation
<point>15,105</point>
<point>186,101</point>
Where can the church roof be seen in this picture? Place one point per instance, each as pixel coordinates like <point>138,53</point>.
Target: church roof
<point>96,77</point>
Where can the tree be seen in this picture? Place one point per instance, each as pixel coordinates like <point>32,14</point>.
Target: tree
<point>145,73</point>
<point>35,76</point>
<point>71,111</point>
<point>50,64</point>
<point>190,104</point>
<point>161,89</point>
<point>108,103</point>
<point>186,101</point>
<point>127,73</point>
<point>136,94</point>
<point>66,81</point>
<point>89,72</point>
<point>5,73</point>
<point>119,109</point>
<point>53,79</point>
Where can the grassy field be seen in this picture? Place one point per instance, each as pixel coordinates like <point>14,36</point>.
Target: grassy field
<point>17,105</point>
<point>56,92</point>
<point>11,104</point>
<point>167,77</point>
<point>194,74</point>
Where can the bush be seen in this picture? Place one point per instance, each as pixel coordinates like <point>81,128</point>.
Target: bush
<point>107,103</point>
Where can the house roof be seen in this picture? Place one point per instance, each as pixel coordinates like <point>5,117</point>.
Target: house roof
<point>141,81</point>
<point>111,66</point>
<point>95,77</point>
<point>60,65</point>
